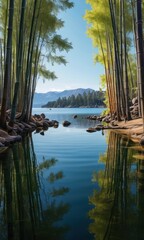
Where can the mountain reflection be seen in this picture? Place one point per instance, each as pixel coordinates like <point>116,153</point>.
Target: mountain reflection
<point>118,203</point>
<point>23,214</point>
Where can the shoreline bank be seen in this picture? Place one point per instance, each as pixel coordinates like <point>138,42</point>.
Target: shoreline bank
<point>133,129</point>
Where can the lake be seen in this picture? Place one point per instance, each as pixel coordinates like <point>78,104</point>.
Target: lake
<point>70,184</point>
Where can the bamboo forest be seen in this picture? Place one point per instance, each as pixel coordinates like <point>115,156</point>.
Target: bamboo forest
<point>71,120</point>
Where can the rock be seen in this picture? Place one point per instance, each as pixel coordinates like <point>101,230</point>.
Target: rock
<point>134,100</point>
<point>94,117</point>
<point>3,134</point>
<point>106,119</point>
<point>39,123</point>
<point>42,133</point>
<point>113,123</point>
<point>45,125</point>
<point>21,125</point>
<point>131,107</point>
<point>27,125</point>
<point>18,115</point>
<point>75,116</point>
<point>135,108</point>
<point>56,124</point>
<point>43,115</point>
<point>13,132</point>
<point>1,145</point>
<point>99,119</point>
<point>37,116</point>
<point>38,130</point>
<point>17,138</point>
<point>32,119</point>
<point>90,130</point>
<point>9,128</point>
<point>32,124</point>
<point>99,127</point>
<point>11,139</point>
<point>50,123</point>
<point>2,140</point>
<point>66,123</point>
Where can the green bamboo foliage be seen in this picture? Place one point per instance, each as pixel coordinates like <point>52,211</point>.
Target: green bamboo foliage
<point>114,23</point>
<point>41,36</point>
<point>34,41</point>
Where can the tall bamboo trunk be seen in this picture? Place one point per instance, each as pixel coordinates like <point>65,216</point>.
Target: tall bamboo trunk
<point>35,73</point>
<point>7,65</point>
<point>29,62</point>
<point>125,75</point>
<point>118,72</point>
<point>106,73</point>
<point>140,52</point>
<point>112,74</point>
<point>19,62</point>
<point>135,39</point>
<point>1,70</point>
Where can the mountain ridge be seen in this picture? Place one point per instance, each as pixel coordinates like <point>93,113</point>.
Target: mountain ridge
<point>43,98</point>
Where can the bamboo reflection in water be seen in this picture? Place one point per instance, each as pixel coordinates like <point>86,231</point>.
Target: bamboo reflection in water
<point>117,212</point>
<point>22,215</point>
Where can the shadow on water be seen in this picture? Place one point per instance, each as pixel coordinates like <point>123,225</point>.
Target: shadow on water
<point>118,204</point>
<point>22,211</point>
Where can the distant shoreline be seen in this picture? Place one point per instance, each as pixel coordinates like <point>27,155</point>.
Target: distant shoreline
<point>70,107</point>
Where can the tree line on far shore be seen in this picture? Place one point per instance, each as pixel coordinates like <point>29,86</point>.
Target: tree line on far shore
<point>90,99</point>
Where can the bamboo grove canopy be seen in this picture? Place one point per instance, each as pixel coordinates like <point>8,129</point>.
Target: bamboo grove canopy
<point>115,27</point>
<point>28,43</point>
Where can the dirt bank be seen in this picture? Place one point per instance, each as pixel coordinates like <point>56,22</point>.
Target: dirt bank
<point>133,129</point>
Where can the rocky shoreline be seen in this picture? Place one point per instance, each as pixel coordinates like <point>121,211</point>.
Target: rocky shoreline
<point>37,124</point>
<point>133,129</point>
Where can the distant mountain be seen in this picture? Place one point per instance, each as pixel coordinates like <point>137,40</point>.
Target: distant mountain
<point>90,99</point>
<point>43,98</point>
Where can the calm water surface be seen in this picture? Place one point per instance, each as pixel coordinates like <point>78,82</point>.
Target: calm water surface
<point>72,185</point>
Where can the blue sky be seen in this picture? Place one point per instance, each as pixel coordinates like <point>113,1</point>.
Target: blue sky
<point>80,71</point>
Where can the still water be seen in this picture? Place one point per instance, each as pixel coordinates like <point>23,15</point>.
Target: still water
<point>72,185</point>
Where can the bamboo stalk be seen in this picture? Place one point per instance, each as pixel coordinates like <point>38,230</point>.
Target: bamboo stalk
<point>140,53</point>
<point>7,66</point>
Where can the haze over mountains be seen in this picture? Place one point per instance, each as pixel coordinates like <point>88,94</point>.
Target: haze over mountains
<point>43,98</point>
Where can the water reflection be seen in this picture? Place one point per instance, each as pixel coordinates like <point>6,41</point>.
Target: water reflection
<point>118,203</point>
<point>23,214</point>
